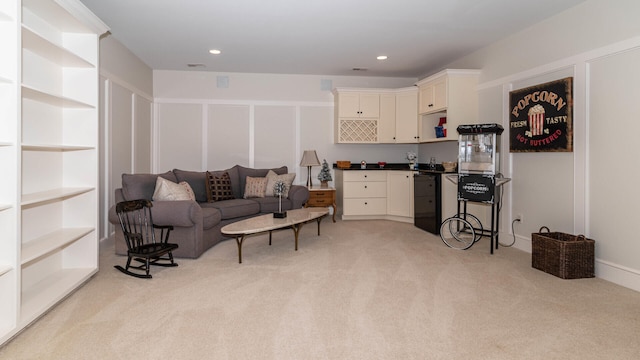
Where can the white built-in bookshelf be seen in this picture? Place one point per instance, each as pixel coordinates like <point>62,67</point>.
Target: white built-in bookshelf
<point>49,155</point>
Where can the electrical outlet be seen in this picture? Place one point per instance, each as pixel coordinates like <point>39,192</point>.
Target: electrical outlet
<point>519,218</point>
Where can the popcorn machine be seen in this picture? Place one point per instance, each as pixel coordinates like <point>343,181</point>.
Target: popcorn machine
<point>477,179</point>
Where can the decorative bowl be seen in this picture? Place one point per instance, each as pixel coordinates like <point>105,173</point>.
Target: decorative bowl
<point>449,166</point>
<point>381,164</point>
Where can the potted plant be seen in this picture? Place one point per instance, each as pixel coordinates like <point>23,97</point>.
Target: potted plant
<point>325,174</point>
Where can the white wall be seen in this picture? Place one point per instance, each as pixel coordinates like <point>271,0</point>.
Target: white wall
<point>258,120</point>
<point>588,191</point>
<point>126,86</point>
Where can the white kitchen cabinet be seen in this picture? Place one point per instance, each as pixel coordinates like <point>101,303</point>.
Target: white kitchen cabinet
<point>400,193</point>
<point>398,123</point>
<point>49,154</point>
<point>387,120</point>
<point>433,95</point>
<point>367,194</point>
<point>407,127</point>
<point>357,112</point>
<point>364,193</point>
<point>358,105</point>
<point>451,94</point>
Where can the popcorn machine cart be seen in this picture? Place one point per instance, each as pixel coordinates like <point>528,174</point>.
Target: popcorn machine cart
<point>478,181</point>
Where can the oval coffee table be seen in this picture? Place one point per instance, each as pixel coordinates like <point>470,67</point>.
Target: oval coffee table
<point>263,223</point>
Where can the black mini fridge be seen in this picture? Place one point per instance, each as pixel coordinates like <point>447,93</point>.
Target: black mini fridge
<point>427,202</point>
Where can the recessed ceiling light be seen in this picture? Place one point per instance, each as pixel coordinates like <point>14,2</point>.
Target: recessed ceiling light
<point>215,51</point>
<point>382,57</point>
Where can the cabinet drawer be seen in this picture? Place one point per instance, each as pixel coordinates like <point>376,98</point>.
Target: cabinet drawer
<point>320,199</point>
<point>365,175</point>
<point>365,189</point>
<point>366,206</point>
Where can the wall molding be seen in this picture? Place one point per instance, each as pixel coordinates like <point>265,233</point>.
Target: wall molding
<point>118,80</point>
<point>243,102</point>
<point>587,56</point>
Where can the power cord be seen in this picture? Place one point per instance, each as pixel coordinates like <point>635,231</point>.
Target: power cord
<point>513,232</point>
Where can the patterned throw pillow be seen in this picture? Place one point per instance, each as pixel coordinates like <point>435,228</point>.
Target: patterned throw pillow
<point>219,187</point>
<point>167,190</point>
<point>272,178</point>
<point>255,187</point>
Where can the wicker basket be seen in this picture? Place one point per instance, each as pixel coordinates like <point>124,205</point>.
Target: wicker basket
<point>563,255</point>
<point>343,164</point>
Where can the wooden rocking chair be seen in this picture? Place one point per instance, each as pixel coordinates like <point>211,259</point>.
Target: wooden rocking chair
<point>140,236</point>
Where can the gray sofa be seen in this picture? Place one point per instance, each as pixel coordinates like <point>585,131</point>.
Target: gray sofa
<point>197,223</point>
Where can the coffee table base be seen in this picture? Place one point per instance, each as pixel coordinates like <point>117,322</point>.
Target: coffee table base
<point>296,231</point>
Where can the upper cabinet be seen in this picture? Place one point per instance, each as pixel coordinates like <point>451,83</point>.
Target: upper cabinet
<point>407,115</point>
<point>358,105</point>
<point>376,115</point>
<point>387,120</point>
<point>407,129</point>
<point>449,94</point>
<point>357,112</point>
<point>433,95</point>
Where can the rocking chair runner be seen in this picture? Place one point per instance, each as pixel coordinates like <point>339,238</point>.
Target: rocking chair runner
<point>140,235</point>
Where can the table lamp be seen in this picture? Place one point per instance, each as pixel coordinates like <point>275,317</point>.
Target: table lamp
<point>309,159</point>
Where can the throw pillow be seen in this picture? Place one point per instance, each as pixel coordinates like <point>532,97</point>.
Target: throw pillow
<point>167,190</point>
<point>272,178</point>
<point>219,187</point>
<point>255,187</point>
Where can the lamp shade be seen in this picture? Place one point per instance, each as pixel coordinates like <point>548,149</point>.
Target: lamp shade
<point>309,158</point>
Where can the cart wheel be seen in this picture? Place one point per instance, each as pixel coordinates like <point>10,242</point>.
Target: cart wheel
<point>475,223</point>
<point>457,233</point>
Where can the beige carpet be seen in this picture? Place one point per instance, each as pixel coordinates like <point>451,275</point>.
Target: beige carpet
<point>361,290</point>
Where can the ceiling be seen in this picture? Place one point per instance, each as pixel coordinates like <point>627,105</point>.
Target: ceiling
<point>328,37</point>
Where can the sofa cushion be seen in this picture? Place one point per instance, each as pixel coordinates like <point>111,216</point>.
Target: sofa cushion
<point>196,179</point>
<point>234,208</point>
<point>142,186</point>
<point>169,191</point>
<point>243,172</point>
<point>272,178</point>
<point>255,187</point>
<point>210,218</point>
<point>235,181</point>
<point>218,187</point>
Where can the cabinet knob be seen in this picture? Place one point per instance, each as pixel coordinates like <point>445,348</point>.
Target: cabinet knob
<point>365,203</point>
<point>365,186</point>
<point>430,105</point>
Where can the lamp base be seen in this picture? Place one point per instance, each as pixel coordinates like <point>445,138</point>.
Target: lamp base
<point>309,184</point>
<point>280,215</point>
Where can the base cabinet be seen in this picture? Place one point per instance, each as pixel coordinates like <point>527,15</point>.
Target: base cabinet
<point>49,156</point>
<point>364,193</point>
<point>400,193</point>
<point>375,194</point>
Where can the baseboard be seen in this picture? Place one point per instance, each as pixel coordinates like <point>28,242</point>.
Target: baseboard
<point>605,270</point>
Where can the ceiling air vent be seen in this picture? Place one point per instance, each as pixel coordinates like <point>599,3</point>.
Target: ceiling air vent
<point>195,65</point>
<point>359,69</point>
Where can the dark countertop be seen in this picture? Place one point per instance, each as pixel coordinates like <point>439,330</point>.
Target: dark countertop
<point>423,168</point>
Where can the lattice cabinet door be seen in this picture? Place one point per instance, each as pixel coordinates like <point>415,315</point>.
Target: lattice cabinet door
<point>358,131</point>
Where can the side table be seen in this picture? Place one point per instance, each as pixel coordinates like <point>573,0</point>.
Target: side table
<point>322,197</point>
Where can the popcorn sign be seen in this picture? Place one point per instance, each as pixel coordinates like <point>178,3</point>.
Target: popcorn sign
<point>540,118</point>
